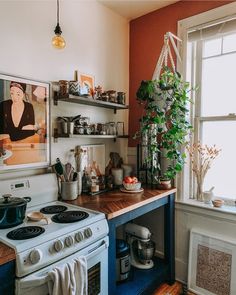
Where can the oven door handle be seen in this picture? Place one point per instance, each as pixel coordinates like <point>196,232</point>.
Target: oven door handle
<point>35,280</point>
<point>96,250</point>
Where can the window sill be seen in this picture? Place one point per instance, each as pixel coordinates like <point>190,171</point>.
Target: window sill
<point>200,208</point>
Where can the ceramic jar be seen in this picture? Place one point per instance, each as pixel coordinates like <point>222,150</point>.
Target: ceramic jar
<point>118,176</point>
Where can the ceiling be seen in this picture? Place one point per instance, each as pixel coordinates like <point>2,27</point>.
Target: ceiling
<point>131,9</point>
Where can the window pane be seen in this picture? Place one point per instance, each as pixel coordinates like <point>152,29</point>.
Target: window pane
<point>222,173</point>
<point>229,43</point>
<point>211,47</point>
<point>218,85</point>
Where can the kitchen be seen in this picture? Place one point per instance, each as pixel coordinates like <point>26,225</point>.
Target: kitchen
<point>101,43</point>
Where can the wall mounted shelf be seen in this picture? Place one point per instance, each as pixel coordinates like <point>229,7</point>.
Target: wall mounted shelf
<point>89,101</point>
<point>57,135</point>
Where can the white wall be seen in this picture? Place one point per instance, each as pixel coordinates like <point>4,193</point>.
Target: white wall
<point>97,44</point>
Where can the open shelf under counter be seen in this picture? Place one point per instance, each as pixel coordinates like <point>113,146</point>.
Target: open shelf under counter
<point>144,281</point>
<point>89,101</point>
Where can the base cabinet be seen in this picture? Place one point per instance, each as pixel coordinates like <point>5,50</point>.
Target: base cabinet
<point>7,278</point>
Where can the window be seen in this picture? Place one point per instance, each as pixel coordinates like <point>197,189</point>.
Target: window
<point>211,66</point>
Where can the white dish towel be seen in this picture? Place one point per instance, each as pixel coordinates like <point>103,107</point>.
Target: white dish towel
<point>69,279</point>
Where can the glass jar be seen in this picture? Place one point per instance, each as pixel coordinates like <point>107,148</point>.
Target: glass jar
<point>112,128</point>
<point>79,129</point>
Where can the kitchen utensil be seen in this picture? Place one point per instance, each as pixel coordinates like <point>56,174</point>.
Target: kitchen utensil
<point>59,169</point>
<point>68,170</point>
<point>12,210</point>
<point>37,216</point>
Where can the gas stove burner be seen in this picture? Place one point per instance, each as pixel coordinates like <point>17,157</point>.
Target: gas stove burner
<point>54,209</point>
<point>26,232</point>
<point>70,216</point>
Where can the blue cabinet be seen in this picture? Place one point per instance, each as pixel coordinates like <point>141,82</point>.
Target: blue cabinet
<point>7,278</point>
<point>144,282</point>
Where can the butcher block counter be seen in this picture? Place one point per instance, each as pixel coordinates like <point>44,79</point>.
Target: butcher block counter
<point>6,254</point>
<point>116,203</point>
<point>120,208</point>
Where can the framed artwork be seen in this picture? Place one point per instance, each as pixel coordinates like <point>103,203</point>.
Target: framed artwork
<point>87,84</point>
<point>24,123</point>
<point>212,264</point>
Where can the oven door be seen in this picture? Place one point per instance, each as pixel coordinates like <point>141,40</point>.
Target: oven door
<point>97,261</point>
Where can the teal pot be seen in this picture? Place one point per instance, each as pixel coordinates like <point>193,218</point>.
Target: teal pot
<point>12,210</point>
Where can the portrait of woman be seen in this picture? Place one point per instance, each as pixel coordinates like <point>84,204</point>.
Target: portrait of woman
<point>24,123</point>
<point>16,114</point>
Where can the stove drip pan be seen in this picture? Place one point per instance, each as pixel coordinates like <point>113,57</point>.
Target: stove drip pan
<point>70,216</point>
<point>26,232</point>
<point>54,209</point>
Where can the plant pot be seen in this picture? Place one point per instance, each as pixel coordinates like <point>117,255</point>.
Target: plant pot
<point>164,184</point>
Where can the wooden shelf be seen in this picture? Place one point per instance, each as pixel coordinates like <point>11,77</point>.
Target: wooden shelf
<point>58,135</point>
<point>90,101</point>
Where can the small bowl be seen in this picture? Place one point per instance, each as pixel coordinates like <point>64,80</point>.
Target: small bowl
<point>132,186</point>
<point>217,202</point>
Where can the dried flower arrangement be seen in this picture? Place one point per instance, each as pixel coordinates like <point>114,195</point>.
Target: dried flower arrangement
<point>201,157</point>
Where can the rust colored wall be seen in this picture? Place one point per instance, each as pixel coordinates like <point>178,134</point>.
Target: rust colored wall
<point>146,41</point>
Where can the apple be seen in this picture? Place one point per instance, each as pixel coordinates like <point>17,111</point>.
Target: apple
<point>130,179</point>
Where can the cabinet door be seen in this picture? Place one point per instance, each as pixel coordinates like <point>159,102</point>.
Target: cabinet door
<point>7,278</point>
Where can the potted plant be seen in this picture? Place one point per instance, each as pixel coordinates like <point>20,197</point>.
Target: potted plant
<point>164,125</point>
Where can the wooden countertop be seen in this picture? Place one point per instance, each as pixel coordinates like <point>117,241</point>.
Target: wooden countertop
<point>6,254</point>
<point>115,203</point>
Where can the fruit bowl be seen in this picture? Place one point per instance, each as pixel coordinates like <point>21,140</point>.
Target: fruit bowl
<point>132,186</point>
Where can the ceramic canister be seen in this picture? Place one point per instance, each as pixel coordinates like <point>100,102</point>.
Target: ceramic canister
<point>74,87</point>
<point>69,190</point>
<point>118,175</point>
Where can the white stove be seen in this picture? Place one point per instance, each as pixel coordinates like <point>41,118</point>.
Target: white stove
<point>58,240</point>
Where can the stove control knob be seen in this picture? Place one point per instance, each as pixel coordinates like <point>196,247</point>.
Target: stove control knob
<point>58,245</point>
<point>79,236</point>
<point>35,256</point>
<point>88,232</point>
<point>69,241</point>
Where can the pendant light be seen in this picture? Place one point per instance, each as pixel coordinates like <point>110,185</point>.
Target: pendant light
<point>58,41</point>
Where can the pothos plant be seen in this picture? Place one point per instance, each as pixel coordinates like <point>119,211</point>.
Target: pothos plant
<point>165,122</point>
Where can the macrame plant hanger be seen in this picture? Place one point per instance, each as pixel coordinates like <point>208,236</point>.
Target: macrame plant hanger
<point>166,54</point>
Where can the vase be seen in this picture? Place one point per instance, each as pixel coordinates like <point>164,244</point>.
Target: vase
<point>199,195</point>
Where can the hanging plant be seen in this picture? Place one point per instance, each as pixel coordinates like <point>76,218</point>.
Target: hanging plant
<point>165,111</point>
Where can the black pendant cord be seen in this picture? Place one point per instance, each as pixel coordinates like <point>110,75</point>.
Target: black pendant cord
<point>58,30</point>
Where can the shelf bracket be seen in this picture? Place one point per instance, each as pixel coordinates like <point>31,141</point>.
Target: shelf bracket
<point>55,98</point>
<point>55,135</point>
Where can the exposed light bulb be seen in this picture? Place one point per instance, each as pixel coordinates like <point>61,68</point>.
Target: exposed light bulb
<point>58,42</point>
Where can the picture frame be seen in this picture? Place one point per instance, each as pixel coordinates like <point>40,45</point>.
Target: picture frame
<point>24,123</point>
<point>212,264</point>
<point>87,84</point>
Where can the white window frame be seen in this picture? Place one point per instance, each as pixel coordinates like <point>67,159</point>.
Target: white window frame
<point>184,181</point>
